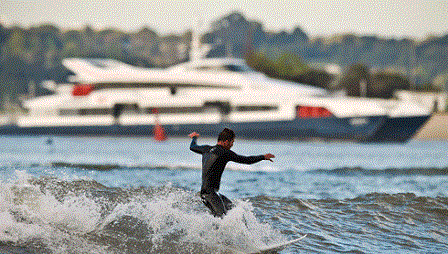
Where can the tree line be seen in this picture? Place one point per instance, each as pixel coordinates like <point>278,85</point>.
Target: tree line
<point>386,64</point>
<point>32,55</point>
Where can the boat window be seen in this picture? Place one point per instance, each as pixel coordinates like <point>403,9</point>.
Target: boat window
<point>226,67</point>
<point>174,110</point>
<point>125,109</point>
<point>85,111</point>
<point>205,68</point>
<point>238,68</point>
<point>246,108</point>
<point>158,85</point>
<point>68,112</point>
<point>222,106</point>
<point>96,111</point>
<point>97,63</point>
<point>234,68</point>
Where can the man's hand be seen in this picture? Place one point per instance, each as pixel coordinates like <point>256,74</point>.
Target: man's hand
<point>269,157</point>
<point>193,134</point>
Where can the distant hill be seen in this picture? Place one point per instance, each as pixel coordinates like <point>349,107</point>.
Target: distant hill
<point>32,55</point>
<point>423,60</point>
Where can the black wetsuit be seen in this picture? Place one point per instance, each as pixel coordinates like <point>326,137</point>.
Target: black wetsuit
<point>214,160</point>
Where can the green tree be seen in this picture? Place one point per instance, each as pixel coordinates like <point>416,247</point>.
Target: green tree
<point>319,78</point>
<point>13,62</point>
<point>379,85</point>
<point>384,84</point>
<point>259,61</point>
<point>73,44</point>
<point>289,65</point>
<point>353,78</point>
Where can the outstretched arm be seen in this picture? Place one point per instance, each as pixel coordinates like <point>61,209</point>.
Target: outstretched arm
<point>250,159</point>
<point>194,146</point>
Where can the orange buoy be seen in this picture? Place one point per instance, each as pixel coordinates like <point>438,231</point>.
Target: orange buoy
<point>159,132</point>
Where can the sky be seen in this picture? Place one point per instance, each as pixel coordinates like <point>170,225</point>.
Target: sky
<point>384,18</point>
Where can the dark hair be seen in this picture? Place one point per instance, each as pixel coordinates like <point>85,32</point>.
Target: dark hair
<point>226,134</point>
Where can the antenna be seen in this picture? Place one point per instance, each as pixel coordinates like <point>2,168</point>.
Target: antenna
<point>197,50</point>
<point>195,42</point>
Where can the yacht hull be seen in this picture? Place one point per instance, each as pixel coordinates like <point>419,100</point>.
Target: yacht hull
<point>399,129</point>
<point>362,129</point>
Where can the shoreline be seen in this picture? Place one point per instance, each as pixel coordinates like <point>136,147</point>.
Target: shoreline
<point>436,128</point>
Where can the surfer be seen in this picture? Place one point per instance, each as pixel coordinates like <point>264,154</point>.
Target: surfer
<point>214,160</point>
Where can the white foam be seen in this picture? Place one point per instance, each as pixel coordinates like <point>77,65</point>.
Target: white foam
<point>29,212</point>
<point>27,215</point>
<point>180,215</point>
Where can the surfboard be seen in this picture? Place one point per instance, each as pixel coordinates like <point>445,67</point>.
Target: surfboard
<point>277,247</point>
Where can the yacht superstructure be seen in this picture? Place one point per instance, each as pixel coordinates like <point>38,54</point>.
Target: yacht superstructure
<point>107,97</point>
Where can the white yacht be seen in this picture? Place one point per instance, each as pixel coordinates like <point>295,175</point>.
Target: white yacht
<point>108,97</point>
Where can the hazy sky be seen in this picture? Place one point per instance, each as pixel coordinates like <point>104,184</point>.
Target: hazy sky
<point>386,18</point>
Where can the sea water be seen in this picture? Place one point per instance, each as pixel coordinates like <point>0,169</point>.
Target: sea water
<point>136,195</point>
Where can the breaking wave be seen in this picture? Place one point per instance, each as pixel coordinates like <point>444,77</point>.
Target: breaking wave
<point>50,215</point>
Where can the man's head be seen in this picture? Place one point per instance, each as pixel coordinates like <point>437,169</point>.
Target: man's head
<point>226,138</point>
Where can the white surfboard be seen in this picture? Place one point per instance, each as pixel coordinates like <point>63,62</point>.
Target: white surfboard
<point>277,247</point>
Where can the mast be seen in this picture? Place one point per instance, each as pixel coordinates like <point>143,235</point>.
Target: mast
<point>197,50</point>
<point>195,43</point>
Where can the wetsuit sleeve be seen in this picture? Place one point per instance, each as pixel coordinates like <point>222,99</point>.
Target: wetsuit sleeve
<point>244,159</point>
<point>197,148</point>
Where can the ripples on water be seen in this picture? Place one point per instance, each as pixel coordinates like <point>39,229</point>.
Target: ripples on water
<point>374,223</point>
<point>137,196</point>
